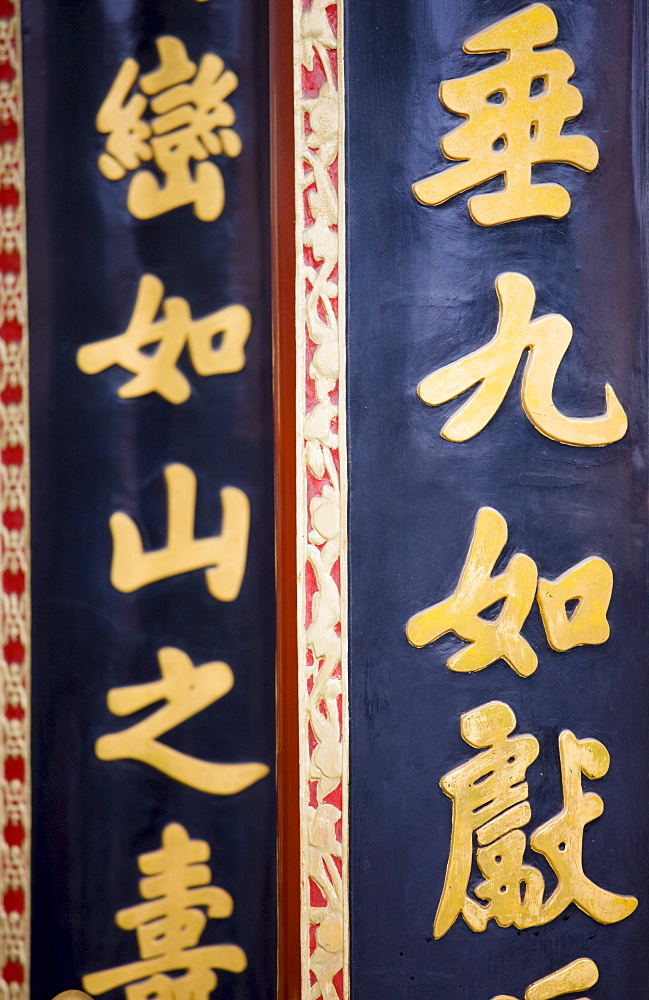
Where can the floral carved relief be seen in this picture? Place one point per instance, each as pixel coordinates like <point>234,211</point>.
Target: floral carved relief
<point>14,508</point>
<point>321,496</point>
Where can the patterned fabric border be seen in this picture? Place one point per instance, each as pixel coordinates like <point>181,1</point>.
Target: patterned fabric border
<point>321,497</point>
<point>14,530</point>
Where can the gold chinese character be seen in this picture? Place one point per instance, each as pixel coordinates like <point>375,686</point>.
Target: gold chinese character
<point>494,367</point>
<point>490,800</point>
<point>225,554</point>
<point>560,840</point>
<point>187,690</point>
<point>169,925</point>
<point>515,112</point>
<point>573,978</point>
<point>478,590</point>
<point>191,123</point>
<point>590,582</point>
<point>157,372</point>
<point>489,796</point>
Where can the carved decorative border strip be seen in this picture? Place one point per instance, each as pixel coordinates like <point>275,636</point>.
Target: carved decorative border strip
<point>321,496</point>
<point>14,525</point>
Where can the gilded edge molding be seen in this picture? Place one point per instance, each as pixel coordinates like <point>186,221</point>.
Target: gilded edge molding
<point>321,496</point>
<point>15,625</point>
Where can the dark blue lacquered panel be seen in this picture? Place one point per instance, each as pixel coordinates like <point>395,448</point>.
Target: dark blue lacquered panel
<point>420,295</point>
<point>93,453</point>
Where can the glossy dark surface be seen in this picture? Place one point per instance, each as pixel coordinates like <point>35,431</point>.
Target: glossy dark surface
<point>421,294</point>
<point>93,453</point>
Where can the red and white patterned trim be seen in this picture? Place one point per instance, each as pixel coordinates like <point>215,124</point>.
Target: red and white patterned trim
<point>14,525</point>
<point>321,496</point>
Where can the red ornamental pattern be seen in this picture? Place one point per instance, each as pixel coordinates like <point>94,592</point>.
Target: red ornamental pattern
<point>321,501</point>
<point>14,505</point>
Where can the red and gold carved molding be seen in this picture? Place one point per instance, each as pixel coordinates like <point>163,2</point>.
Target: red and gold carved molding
<point>14,533</point>
<point>321,496</point>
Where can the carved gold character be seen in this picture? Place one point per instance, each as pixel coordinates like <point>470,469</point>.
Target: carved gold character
<point>476,591</point>
<point>489,798</point>
<point>590,582</point>
<point>578,975</point>
<point>224,554</point>
<point>490,801</point>
<point>494,367</point>
<point>515,112</point>
<point>169,924</point>
<point>191,122</point>
<point>157,372</point>
<point>560,840</point>
<point>187,690</point>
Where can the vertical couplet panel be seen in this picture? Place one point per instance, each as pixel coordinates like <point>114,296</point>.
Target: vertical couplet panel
<point>496,262</point>
<point>152,467</point>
